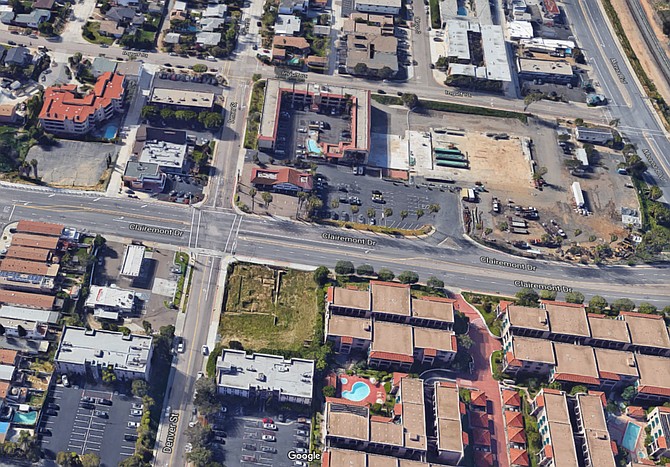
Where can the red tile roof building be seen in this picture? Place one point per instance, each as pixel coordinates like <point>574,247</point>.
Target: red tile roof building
<point>66,112</point>
<point>40,228</point>
<point>283,179</point>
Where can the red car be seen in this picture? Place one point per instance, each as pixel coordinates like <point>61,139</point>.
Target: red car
<point>268,420</point>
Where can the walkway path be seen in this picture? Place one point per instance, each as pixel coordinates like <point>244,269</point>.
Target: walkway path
<point>484,344</point>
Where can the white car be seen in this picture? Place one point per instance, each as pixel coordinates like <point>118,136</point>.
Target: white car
<point>268,438</point>
<point>136,412</point>
<point>65,381</point>
<point>133,424</point>
<point>138,406</point>
<point>270,426</point>
<point>180,347</point>
<point>200,375</point>
<point>188,447</point>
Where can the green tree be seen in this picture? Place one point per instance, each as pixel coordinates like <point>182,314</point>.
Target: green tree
<point>167,114</point>
<point>199,435</point>
<point>267,198</point>
<point>622,304</point>
<point>527,297</point>
<point>647,308</point>
<point>33,163</point>
<point>435,283</point>
<point>200,456</point>
<point>419,213</point>
<point>252,193</point>
<point>403,214</point>
<point>321,275</point>
<point>578,389</point>
<point>371,212</point>
<point>464,341</point>
<point>150,112</point>
<point>108,376</point>
<point>206,399</point>
<point>361,69</point>
<point>139,388</point>
<point>655,192</point>
<point>200,68</point>
<point>433,208</point>
<point>548,294</point>
<point>532,97</point>
<point>386,275</point>
<point>67,459</point>
<point>410,100</point>
<point>365,270</point>
<point>628,394</point>
<point>89,459</point>
<point>574,297</point>
<point>408,277</point>
<point>388,212</point>
<point>328,391</point>
<point>185,115</point>
<point>344,268</point>
<point>597,304</point>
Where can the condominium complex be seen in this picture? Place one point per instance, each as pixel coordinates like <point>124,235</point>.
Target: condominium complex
<point>395,329</point>
<point>566,344</point>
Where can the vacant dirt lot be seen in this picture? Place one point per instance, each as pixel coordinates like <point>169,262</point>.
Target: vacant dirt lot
<point>258,317</point>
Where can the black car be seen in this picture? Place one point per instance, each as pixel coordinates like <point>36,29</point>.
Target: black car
<point>53,406</point>
<point>87,405</point>
<point>104,402</point>
<point>219,440</point>
<point>51,412</point>
<point>44,431</point>
<point>381,91</point>
<point>130,437</point>
<point>219,432</point>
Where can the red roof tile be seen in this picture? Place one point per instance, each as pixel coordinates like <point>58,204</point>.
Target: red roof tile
<point>635,411</point>
<point>665,392</point>
<point>516,435</point>
<point>576,378</point>
<point>519,457</point>
<point>513,419</point>
<point>40,228</point>
<point>397,376</point>
<point>391,356</point>
<point>481,437</point>
<point>479,419</point>
<point>61,103</point>
<point>511,398</point>
<point>271,177</point>
<point>430,352</point>
<point>483,459</point>
<point>478,398</point>
<point>347,339</point>
<point>640,315</point>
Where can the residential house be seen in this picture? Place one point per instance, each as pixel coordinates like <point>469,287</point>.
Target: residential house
<point>281,180</point>
<point>43,4</point>
<point>451,439</point>
<point>261,376</point>
<point>527,355</point>
<point>102,65</point>
<point>550,407</point>
<point>616,369</point>
<point>215,10</point>
<point>653,386</point>
<point>386,7</point>
<point>658,421</point>
<point>287,25</point>
<point>209,24</point>
<point>92,351</point>
<point>18,56</point>
<point>111,28</point>
<point>123,16</point>
<point>110,302</point>
<point>171,38</point>
<point>8,113</point>
<point>281,45</point>
<point>144,177</point>
<point>32,19</point>
<point>575,364</point>
<point>48,229</point>
<point>591,433</point>
<point>25,299</point>
<point>208,38</point>
<point>24,328</point>
<point>288,7</point>
<point>64,111</point>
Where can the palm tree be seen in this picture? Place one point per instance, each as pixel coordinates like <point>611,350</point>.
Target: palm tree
<point>419,213</point>
<point>252,193</point>
<point>33,163</point>
<point>267,198</point>
<point>403,214</point>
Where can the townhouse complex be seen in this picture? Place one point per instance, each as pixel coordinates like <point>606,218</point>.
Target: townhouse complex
<point>393,328</point>
<point>564,343</point>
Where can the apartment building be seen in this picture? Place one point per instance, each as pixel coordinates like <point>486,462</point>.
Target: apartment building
<point>561,322</point>
<point>335,457</point>
<point>39,228</point>
<point>550,407</point>
<point>28,300</point>
<point>90,352</point>
<point>396,329</point>
<point>591,435</point>
<point>575,364</point>
<point>350,425</point>
<point>653,385</point>
<point>449,409</point>
<point>616,369</point>
<point>658,421</point>
<point>527,355</point>
<point>65,111</point>
<point>110,302</point>
<point>263,376</point>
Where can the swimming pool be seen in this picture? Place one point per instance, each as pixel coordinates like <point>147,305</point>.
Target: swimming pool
<point>359,391</point>
<point>630,436</point>
<point>25,418</point>
<point>313,147</point>
<point>343,380</point>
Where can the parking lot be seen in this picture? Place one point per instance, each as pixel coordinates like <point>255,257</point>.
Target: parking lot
<point>79,429</point>
<point>245,444</point>
<point>342,187</point>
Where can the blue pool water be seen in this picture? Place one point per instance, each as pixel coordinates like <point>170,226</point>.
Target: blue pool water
<point>25,418</point>
<point>630,436</point>
<point>109,131</point>
<point>359,391</point>
<point>343,380</point>
<point>313,147</point>
<point>462,11</point>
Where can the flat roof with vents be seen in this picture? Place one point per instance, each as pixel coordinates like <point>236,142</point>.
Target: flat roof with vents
<point>178,97</point>
<point>132,260</point>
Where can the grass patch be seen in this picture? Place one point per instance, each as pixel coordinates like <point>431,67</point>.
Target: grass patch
<point>426,229</point>
<point>255,111</point>
<point>258,318</point>
<point>181,259</point>
<point>91,32</point>
<point>496,365</point>
<point>455,108</point>
<point>435,20</point>
<point>487,304</point>
<point>534,443</point>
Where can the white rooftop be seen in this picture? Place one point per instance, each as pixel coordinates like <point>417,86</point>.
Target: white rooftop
<point>29,314</point>
<point>495,53</point>
<point>132,260</point>
<point>104,348</point>
<point>287,25</point>
<point>520,29</point>
<point>164,154</point>
<point>236,369</point>
<point>217,10</point>
<point>208,38</point>
<point>7,372</point>
<point>110,297</point>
